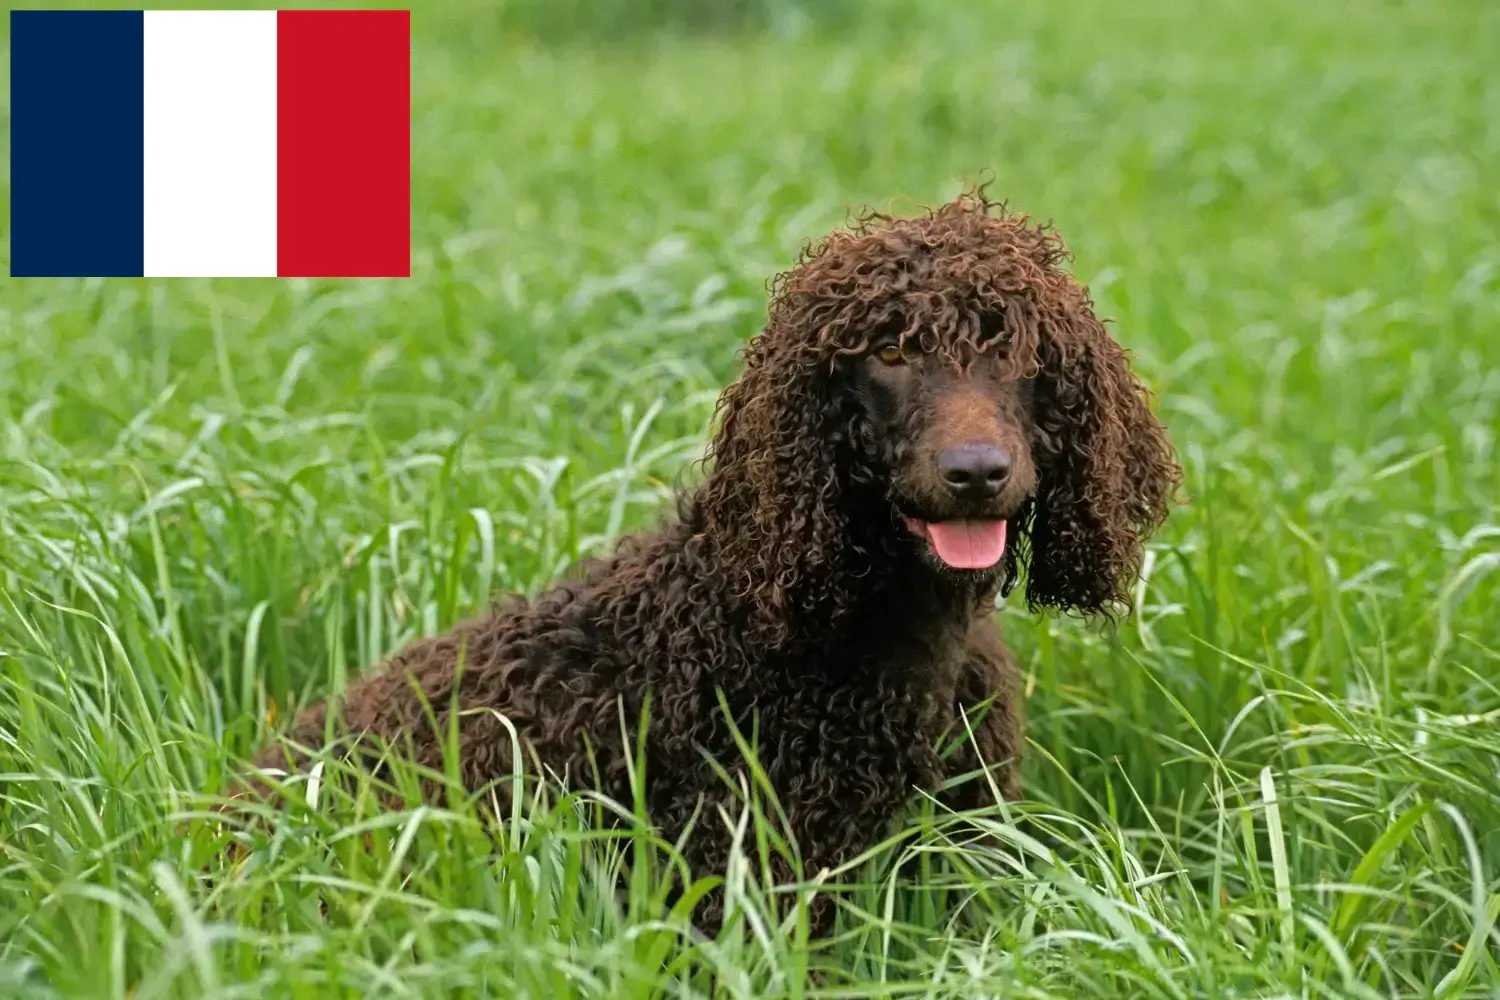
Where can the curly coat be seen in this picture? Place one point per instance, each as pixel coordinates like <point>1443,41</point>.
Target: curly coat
<point>796,581</point>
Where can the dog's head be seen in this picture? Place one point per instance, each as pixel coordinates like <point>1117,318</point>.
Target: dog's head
<point>948,431</point>
<point>936,389</point>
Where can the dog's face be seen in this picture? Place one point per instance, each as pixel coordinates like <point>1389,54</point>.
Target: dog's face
<point>937,388</point>
<point>952,438</point>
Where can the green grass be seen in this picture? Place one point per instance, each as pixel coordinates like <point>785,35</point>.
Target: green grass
<point>221,499</point>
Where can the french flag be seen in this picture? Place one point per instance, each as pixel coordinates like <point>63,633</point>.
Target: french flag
<point>211,143</point>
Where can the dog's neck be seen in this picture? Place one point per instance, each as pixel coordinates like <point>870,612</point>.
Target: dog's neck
<point>875,581</point>
<point>888,587</point>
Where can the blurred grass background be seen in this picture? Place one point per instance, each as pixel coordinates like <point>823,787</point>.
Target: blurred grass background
<point>220,499</point>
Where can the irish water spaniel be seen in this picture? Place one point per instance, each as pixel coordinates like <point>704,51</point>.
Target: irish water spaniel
<point>931,411</point>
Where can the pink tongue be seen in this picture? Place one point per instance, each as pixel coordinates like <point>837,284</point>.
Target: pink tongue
<point>968,544</point>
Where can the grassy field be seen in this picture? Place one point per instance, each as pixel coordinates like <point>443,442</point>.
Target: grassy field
<point>221,499</point>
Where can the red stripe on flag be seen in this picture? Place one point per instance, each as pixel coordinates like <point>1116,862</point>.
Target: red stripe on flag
<point>343,135</point>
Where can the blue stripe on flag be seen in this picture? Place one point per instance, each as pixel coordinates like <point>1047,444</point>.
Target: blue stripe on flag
<point>76,143</point>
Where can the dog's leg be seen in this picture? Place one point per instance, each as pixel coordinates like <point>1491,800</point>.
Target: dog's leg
<point>988,695</point>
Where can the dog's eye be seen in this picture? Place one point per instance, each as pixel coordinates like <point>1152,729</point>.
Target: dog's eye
<point>891,354</point>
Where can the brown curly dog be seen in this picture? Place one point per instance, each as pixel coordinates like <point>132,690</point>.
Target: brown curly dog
<point>931,409</point>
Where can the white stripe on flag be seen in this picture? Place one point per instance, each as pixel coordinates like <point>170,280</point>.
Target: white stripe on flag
<point>210,194</point>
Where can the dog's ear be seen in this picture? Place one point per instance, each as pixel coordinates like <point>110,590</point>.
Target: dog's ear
<point>770,504</point>
<point>1107,470</point>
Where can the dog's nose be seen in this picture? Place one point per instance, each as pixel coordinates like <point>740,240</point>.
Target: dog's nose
<point>974,471</point>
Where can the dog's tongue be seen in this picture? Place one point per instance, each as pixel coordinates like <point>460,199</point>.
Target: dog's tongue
<point>967,544</point>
